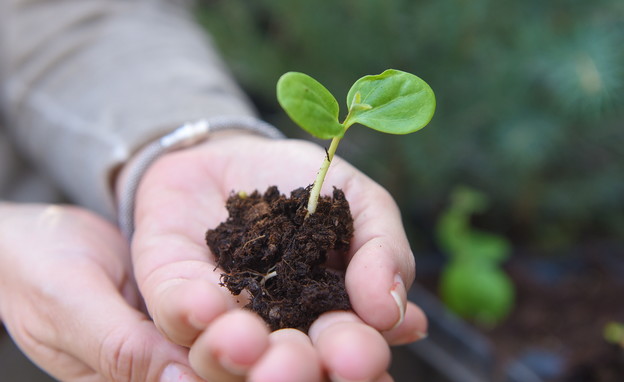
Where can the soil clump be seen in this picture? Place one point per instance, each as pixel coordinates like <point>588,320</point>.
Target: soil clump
<point>269,248</point>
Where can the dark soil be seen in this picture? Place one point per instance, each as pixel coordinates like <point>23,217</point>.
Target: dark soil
<point>269,248</point>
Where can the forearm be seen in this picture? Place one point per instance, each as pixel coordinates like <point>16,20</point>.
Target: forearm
<point>86,84</point>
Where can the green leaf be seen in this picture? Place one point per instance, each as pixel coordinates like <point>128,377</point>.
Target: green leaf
<point>396,102</point>
<point>310,105</point>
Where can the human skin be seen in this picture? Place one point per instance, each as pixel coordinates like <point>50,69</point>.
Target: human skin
<point>68,300</point>
<point>183,194</point>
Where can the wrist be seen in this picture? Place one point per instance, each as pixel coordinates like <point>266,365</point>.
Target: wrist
<point>188,135</point>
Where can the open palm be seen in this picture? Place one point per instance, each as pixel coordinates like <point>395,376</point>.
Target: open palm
<point>183,194</point>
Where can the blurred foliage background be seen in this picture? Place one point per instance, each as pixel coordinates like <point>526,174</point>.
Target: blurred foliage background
<point>530,101</point>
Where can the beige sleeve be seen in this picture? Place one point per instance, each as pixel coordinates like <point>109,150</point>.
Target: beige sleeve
<point>86,83</point>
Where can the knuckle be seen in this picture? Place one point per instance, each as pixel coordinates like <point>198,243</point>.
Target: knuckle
<point>123,359</point>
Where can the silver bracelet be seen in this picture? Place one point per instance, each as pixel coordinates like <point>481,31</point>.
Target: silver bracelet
<point>186,135</point>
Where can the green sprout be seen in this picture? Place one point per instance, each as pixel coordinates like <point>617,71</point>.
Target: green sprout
<point>392,102</point>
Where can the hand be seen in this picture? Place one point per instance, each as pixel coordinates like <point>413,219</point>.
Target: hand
<point>183,194</point>
<point>68,301</point>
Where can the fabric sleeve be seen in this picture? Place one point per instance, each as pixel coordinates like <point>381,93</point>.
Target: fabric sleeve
<point>87,83</point>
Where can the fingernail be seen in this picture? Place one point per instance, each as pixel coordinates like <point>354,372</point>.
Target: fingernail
<point>417,336</point>
<point>421,335</point>
<point>399,293</point>
<point>175,372</point>
<point>232,367</point>
<point>197,323</point>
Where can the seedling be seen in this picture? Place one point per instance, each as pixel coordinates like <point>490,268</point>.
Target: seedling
<point>269,246</point>
<point>392,102</point>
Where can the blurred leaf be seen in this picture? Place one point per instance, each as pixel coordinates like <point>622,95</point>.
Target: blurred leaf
<point>482,294</point>
<point>460,240</point>
<point>614,333</point>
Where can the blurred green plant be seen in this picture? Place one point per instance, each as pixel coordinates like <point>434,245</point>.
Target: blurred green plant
<point>530,98</point>
<point>472,283</point>
<point>614,333</point>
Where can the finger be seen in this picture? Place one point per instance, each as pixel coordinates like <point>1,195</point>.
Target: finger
<point>119,342</point>
<point>183,308</point>
<point>230,346</point>
<point>124,346</point>
<point>173,267</point>
<point>90,331</point>
<point>381,267</point>
<point>291,357</point>
<point>182,296</point>
<point>349,349</point>
<point>413,328</point>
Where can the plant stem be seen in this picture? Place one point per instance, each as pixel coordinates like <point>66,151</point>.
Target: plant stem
<point>320,177</point>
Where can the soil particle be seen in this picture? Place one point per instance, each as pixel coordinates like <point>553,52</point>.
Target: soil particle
<point>269,248</point>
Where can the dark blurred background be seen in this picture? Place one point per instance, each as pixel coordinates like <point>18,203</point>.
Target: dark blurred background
<point>530,101</point>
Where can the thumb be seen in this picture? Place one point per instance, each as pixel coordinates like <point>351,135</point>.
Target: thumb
<point>63,302</point>
<point>112,341</point>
